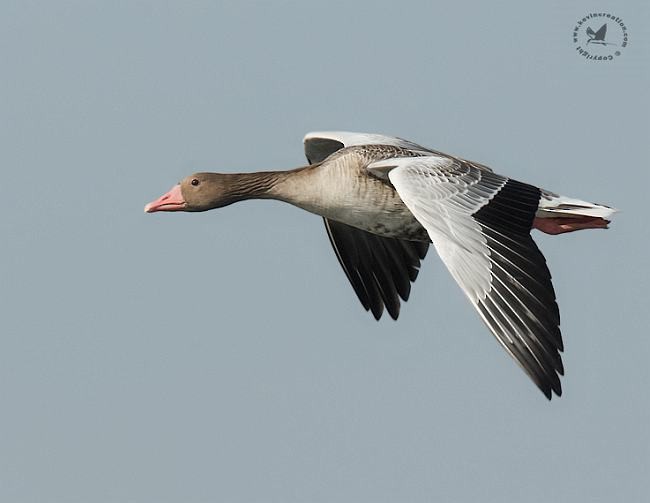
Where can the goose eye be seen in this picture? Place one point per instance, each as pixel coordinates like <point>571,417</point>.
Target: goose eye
<point>195,181</point>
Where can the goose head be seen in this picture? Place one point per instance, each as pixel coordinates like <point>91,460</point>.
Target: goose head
<point>199,192</point>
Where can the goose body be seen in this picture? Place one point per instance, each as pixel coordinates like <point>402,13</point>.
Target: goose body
<point>341,189</point>
<point>384,200</point>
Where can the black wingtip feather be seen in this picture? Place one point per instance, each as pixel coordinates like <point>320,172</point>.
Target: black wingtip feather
<point>520,307</point>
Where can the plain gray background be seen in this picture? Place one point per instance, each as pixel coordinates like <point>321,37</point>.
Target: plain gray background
<point>223,356</point>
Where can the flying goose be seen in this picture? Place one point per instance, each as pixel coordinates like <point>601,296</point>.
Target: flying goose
<point>385,199</point>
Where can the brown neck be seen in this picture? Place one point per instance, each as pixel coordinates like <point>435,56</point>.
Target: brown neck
<point>258,185</point>
<point>232,187</point>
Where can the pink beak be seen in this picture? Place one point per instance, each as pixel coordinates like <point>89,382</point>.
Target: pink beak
<point>172,201</point>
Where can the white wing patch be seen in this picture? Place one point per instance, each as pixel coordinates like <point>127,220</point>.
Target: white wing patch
<point>442,194</point>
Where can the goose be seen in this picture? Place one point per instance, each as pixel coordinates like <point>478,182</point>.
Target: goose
<point>384,200</point>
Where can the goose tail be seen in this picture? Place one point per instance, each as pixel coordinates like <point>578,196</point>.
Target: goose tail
<point>558,214</point>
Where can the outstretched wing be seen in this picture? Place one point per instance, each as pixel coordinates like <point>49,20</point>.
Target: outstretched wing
<point>600,34</point>
<point>480,224</point>
<point>380,269</point>
<point>319,145</point>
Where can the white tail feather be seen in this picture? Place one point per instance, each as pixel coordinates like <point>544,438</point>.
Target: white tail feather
<point>553,205</point>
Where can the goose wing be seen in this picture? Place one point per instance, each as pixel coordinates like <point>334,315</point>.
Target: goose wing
<point>380,269</point>
<point>321,144</point>
<point>479,223</point>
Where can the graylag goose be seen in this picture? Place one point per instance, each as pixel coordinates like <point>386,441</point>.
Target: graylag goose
<point>385,199</point>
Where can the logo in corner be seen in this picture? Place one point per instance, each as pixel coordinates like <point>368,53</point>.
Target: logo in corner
<point>600,36</point>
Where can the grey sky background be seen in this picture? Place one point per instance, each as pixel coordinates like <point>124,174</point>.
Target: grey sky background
<point>223,356</point>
